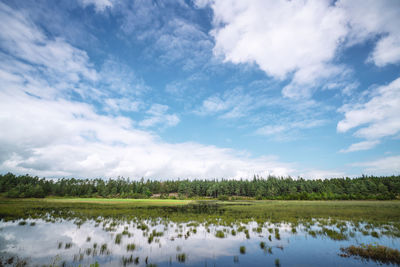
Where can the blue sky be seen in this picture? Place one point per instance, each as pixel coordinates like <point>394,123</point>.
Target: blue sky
<point>200,89</point>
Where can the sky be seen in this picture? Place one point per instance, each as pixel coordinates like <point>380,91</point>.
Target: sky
<point>200,88</point>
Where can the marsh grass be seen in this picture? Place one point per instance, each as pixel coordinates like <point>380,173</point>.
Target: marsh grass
<point>181,257</point>
<point>242,250</point>
<point>130,247</point>
<point>127,260</point>
<point>103,248</point>
<point>277,234</point>
<point>377,253</point>
<point>118,239</point>
<point>334,235</point>
<point>220,234</point>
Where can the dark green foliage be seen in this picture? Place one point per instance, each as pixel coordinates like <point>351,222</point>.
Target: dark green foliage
<point>365,187</point>
<point>242,250</point>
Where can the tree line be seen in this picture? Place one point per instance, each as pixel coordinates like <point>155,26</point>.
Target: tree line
<point>284,188</point>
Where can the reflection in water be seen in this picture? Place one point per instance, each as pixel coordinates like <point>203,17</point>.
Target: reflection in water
<point>53,238</point>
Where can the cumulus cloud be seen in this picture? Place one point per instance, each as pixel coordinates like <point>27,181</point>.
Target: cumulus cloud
<point>300,40</point>
<point>64,138</point>
<point>370,19</point>
<point>375,119</point>
<point>382,166</point>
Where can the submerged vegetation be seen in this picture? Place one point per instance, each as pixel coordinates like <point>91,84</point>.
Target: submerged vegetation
<point>365,187</point>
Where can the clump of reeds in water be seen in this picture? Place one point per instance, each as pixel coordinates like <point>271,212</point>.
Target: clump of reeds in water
<point>242,250</point>
<point>130,247</point>
<point>127,260</point>
<point>373,252</point>
<point>118,238</point>
<point>220,234</point>
<point>103,248</point>
<point>246,231</point>
<point>181,257</point>
<point>277,235</point>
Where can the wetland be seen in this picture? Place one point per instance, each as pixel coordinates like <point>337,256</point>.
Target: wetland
<point>113,232</point>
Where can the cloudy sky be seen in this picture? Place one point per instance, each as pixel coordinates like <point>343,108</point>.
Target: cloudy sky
<point>200,89</point>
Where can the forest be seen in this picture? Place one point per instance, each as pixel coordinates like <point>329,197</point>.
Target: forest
<point>279,188</point>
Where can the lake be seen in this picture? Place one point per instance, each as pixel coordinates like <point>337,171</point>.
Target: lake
<point>196,234</point>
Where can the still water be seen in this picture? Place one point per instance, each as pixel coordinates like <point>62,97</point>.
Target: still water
<point>160,241</point>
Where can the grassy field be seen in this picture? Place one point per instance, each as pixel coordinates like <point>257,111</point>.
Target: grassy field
<point>139,202</point>
<point>272,210</point>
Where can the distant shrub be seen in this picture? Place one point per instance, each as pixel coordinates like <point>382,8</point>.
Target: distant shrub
<point>223,198</point>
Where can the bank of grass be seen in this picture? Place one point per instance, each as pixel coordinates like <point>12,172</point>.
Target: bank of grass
<point>140,202</point>
<point>186,210</point>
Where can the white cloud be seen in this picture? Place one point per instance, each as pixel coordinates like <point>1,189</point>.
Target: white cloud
<point>20,37</point>
<point>280,36</point>
<point>44,132</point>
<point>376,118</point>
<point>365,145</point>
<point>99,5</point>
<point>122,104</point>
<point>232,104</point>
<point>169,30</point>
<point>370,19</point>
<point>301,39</point>
<point>64,138</point>
<point>383,166</point>
<point>157,115</point>
<point>283,131</point>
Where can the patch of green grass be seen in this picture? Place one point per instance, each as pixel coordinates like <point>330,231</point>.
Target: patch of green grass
<point>377,253</point>
<point>220,234</point>
<point>242,250</point>
<point>334,235</point>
